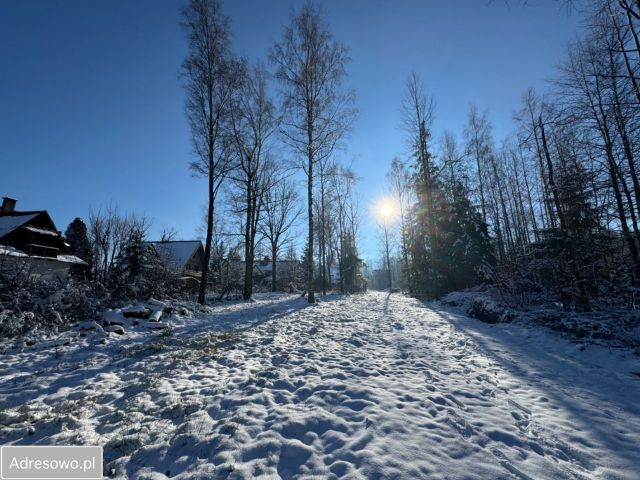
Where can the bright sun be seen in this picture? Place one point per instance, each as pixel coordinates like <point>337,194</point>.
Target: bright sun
<point>385,210</point>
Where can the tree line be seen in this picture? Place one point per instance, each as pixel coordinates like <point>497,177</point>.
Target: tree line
<point>255,129</point>
<point>240,132</point>
<point>550,213</point>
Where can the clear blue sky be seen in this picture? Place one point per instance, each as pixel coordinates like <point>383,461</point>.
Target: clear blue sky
<point>91,108</point>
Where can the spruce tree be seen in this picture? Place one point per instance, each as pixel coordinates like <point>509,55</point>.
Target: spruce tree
<point>422,230</point>
<point>466,247</point>
<point>131,258</point>
<point>350,265</point>
<point>78,239</point>
<point>450,250</point>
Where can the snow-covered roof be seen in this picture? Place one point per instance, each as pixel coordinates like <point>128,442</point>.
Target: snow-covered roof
<point>44,231</point>
<point>14,252</point>
<point>10,222</point>
<point>11,252</point>
<point>175,255</point>
<point>71,259</point>
<point>267,267</point>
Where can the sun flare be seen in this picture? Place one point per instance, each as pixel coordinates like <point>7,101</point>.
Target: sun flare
<point>385,210</point>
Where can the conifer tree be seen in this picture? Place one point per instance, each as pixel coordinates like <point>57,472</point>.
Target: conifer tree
<point>76,235</point>
<point>131,257</point>
<point>466,248</point>
<point>350,265</point>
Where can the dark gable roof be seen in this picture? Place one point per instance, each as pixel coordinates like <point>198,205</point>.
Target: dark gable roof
<point>9,223</point>
<point>176,254</point>
<point>14,224</point>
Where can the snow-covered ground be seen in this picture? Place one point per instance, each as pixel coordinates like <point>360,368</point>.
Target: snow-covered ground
<point>368,386</point>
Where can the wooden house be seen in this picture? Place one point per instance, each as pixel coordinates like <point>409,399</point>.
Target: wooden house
<point>29,240</point>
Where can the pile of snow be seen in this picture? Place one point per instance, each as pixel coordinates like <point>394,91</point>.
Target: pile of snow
<point>149,316</point>
<point>612,327</point>
<point>131,320</point>
<point>480,305</point>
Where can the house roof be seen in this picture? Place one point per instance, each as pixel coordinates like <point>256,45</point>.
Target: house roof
<point>175,254</point>
<point>14,252</point>
<point>268,267</point>
<point>8,223</point>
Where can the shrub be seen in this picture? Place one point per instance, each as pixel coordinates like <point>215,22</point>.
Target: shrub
<point>29,302</point>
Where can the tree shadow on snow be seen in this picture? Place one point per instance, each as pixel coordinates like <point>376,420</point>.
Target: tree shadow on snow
<point>33,373</point>
<point>575,387</point>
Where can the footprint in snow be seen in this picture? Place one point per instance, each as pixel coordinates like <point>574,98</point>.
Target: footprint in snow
<point>456,401</point>
<point>292,458</point>
<point>277,360</point>
<point>508,465</point>
<point>521,420</point>
<point>459,423</point>
<point>518,406</point>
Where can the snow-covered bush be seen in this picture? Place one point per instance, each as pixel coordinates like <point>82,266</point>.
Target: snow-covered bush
<point>611,326</point>
<point>29,302</point>
<point>153,282</point>
<point>137,273</point>
<point>486,310</point>
<point>479,303</point>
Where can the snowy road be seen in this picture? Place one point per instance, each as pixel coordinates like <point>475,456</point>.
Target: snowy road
<point>370,386</point>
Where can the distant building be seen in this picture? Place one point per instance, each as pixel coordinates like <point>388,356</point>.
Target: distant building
<point>183,257</point>
<point>287,272</point>
<point>231,274</point>
<point>31,241</point>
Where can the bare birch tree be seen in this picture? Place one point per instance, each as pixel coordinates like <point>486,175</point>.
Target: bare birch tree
<point>209,76</point>
<point>253,122</point>
<point>311,67</point>
<point>280,212</point>
<point>399,179</point>
<point>479,145</point>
